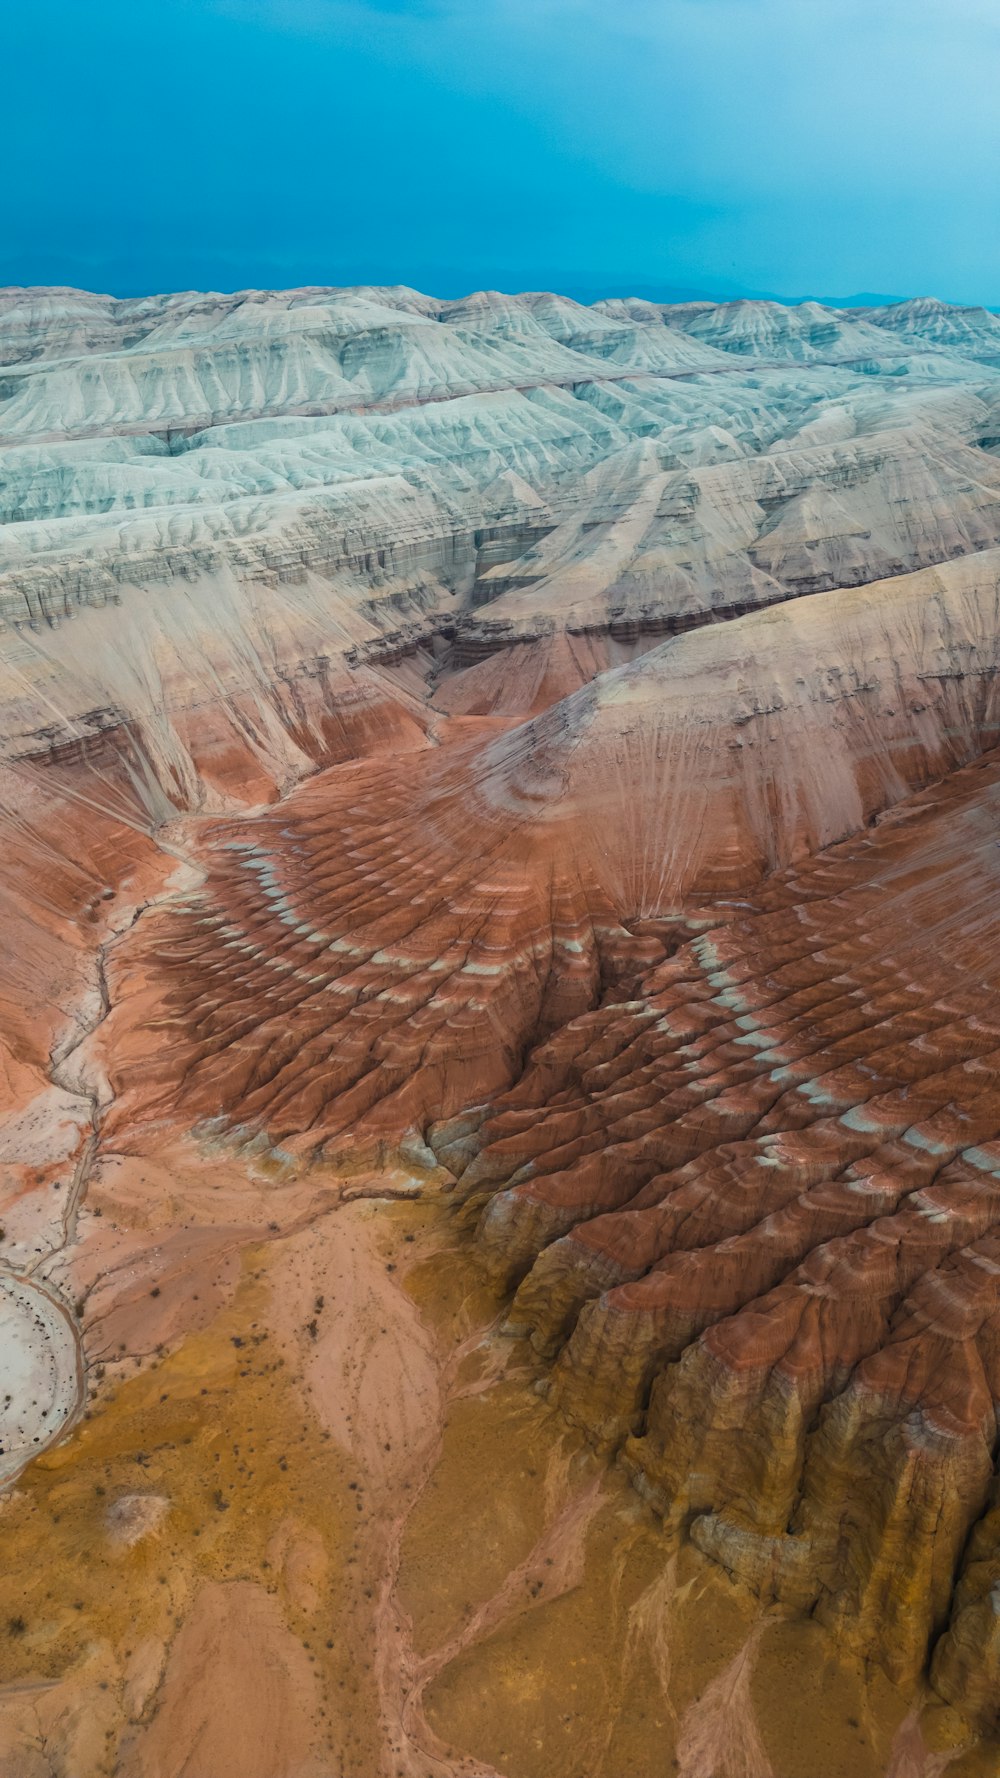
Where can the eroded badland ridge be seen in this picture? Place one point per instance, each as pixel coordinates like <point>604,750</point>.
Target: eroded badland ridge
<point>499,1037</point>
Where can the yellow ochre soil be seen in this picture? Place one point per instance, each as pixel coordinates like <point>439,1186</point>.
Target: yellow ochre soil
<point>364,1544</point>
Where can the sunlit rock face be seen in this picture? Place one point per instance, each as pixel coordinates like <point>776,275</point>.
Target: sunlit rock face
<point>550,754</point>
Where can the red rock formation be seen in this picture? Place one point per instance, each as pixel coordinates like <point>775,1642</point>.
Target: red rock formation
<point>413,926</point>
<point>399,968</point>
<point>786,1302</point>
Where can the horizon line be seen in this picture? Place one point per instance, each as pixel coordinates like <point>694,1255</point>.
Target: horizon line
<point>662,293</point>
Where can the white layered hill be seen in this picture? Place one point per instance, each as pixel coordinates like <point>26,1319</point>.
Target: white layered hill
<point>371,475</point>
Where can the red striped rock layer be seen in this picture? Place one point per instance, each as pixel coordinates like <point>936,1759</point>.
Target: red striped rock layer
<point>378,949</point>
<point>383,950</point>
<point>753,1216</point>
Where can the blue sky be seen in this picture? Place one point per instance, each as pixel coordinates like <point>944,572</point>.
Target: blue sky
<point>823,147</point>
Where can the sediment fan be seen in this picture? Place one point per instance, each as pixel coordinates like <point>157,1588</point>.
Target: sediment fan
<point>576,732</point>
